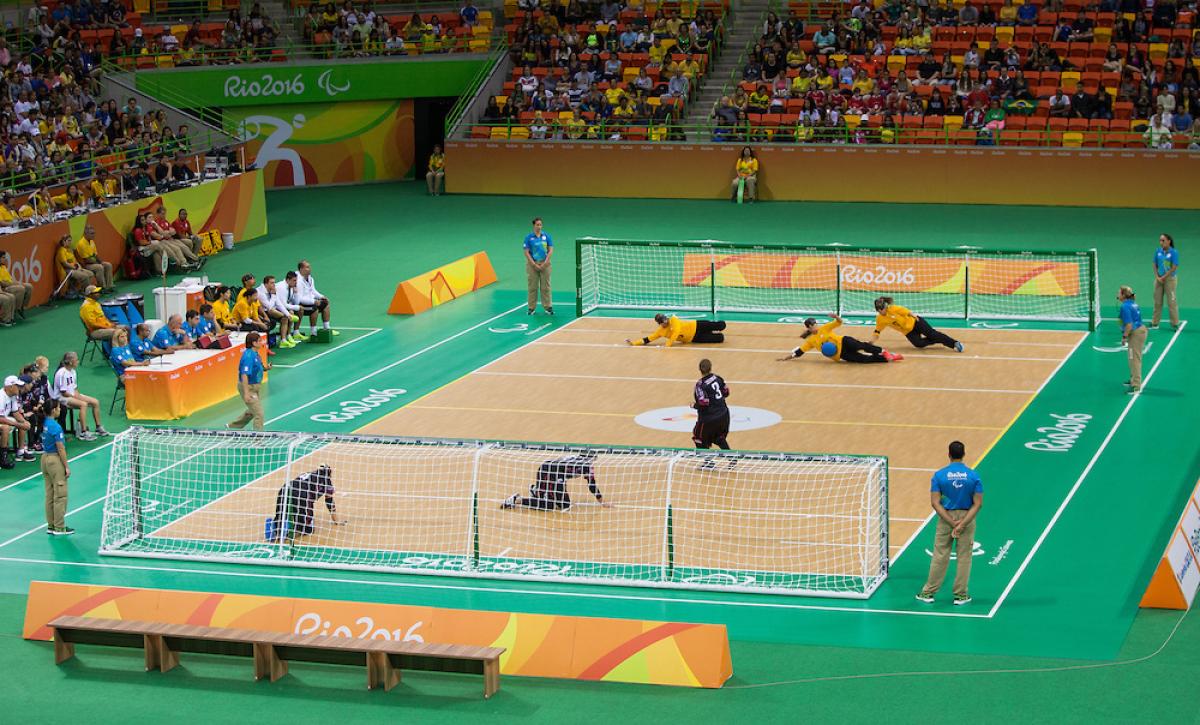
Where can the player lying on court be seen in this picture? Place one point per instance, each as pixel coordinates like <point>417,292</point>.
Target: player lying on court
<point>674,330</point>
<point>919,332</point>
<point>549,491</point>
<point>839,347</point>
<point>296,500</point>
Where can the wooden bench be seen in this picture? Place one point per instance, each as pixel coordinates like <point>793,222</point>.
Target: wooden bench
<point>271,652</point>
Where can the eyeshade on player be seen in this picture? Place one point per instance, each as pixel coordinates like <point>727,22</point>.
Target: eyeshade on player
<point>839,347</point>
<point>549,491</point>
<point>674,330</point>
<point>296,500</point>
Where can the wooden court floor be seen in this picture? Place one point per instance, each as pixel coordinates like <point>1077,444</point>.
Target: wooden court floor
<point>582,384</point>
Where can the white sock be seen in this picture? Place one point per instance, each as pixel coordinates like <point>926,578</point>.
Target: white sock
<point>326,324</point>
<point>312,330</point>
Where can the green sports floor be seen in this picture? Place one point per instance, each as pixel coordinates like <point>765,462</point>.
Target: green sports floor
<point>1069,539</point>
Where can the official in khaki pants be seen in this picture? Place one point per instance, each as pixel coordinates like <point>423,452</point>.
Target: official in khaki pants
<point>956,494</point>
<point>539,248</point>
<point>1166,277</point>
<point>250,374</point>
<point>1133,336</point>
<point>55,471</point>
<point>17,294</point>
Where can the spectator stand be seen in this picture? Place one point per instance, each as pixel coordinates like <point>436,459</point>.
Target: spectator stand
<point>627,95</point>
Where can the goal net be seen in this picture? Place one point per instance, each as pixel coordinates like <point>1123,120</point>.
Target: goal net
<point>794,524</point>
<point>718,276</point>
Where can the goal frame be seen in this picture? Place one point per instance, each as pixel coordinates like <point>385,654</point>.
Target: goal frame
<point>714,306</point>
<point>875,498</point>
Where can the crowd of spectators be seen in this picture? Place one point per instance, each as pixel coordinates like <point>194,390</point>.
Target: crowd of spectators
<point>861,74</point>
<point>604,70</point>
<point>352,29</point>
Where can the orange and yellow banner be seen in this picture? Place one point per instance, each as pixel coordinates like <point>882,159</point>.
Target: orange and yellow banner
<point>537,645</point>
<point>443,284</point>
<point>1005,276</point>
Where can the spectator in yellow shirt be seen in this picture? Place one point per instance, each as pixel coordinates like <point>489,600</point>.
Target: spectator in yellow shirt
<point>71,275</point>
<point>14,296</point>
<point>71,199</point>
<point>103,187</point>
<point>98,326</point>
<point>89,258</point>
<point>657,52</point>
<point>8,217</point>
<point>248,314</point>
<point>747,173</point>
<point>435,178</point>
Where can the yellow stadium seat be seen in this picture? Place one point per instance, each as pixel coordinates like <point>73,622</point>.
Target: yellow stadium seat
<point>1102,35</point>
<point>500,132</point>
<point>479,45</point>
<point>166,61</point>
<point>485,17</point>
<point>1004,34</point>
<point>1072,139</point>
<point>565,115</point>
<point>1069,80</point>
<point>952,123</point>
<point>519,132</point>
<point>852,121</point>
<point>1158,51</point>
<point>654,101</point>
<point>896,63</point>
<point>501,101</point>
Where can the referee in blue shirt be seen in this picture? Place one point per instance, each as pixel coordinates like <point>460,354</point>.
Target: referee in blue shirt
<point>250,374</point>
<point>55,470</point>
<point>538,250</point>
<point>1133,336</point>
<point>956,494</point>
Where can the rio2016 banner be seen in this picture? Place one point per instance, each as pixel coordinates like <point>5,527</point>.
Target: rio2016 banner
<point>328,143</point>
<point>536,645</point>
<point>230,87</point>
<point>948,274</point>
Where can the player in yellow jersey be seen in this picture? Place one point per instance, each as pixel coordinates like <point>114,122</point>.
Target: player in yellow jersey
<point>919,332</point>
<point>838,347</point>
<point>675,330</point>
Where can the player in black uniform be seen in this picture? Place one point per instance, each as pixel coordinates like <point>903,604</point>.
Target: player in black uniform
<point>296,500</point>
<point>549,491</point>
<point>712,413</point>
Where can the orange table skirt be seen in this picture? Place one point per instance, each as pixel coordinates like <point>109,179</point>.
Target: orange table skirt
<point>177,393</point>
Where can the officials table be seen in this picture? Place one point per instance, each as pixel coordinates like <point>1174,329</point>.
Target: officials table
<point>177,385</point>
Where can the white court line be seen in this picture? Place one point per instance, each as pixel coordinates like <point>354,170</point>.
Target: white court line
<point>957,329</point>
<point>335,348</point>
<point>775,351</point>
<point>1036,393</point>
<point>298,409</point>
<point>494,590</point>
<point>623,378</point>
<point>1079,481</point>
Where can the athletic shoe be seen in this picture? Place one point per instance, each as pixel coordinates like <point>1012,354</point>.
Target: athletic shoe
<point>300,336</point>
<point>923,597</point>
<point>958,347</point>
<point>333,332</point>
<point>509,502</point>
<point>961,599</point>
<point>1153,326</point>
<point>550,311</point>
<point>897,356</point>
<point>37,446</point>
<point>26,455</point>
<point>64,531</point>
<point>1132,390</point>
<point>85,435</point>
<point>530,312</point>
<point>287,343</point>
<point>101,432</point>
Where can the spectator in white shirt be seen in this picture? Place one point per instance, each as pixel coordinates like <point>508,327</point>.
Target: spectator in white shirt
<point>310,300</point>
<point>12,419</point>
<point>65,390</point>
<point>274,307</point>
<point>1158,134</point>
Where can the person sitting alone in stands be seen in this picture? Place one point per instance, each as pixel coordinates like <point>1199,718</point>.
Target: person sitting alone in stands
<point>746,175</point>
<point>435,178</point>
<point>74,278</point>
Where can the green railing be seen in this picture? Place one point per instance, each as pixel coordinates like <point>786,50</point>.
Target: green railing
<point>468,95</point>
<point>745,132</point>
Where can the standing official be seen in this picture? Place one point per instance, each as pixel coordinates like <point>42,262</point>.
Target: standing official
<point>539,248</point>
<point>55,471</point>
<point>1133,336</point>
<point>712,412</point>
<point>1166,270</point>
<point>250,374</point>
<point>956,494</point>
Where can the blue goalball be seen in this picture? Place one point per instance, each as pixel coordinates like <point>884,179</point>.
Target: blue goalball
<point>829,349</point>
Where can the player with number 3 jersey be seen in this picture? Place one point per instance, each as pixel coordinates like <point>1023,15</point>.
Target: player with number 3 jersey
<point>712,412</point>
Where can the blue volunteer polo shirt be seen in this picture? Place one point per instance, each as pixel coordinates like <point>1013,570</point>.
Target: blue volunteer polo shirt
<point>538,246</point>
<point>119,354</point>
<point>958,484</point>
<point>251,366</point>
<point>164,338</point>
<point>1131,314</point>
<point>52,435</point>
<point>1166,259</point>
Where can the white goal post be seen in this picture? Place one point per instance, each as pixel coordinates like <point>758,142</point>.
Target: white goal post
<point>714,276</point>
<point>735,521</point>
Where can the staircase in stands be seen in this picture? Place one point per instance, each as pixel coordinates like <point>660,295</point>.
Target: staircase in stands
<point>742,29</point>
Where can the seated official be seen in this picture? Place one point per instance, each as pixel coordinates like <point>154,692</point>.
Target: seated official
<point>223,309</point>
<point>277,311</point>
<point>99,327</point>
<point>304,293</point>
<point>12,419</point>
<point>14,296</point>
<point>172,337</point>
<point>72,276</point>
<point>121,358</point>
<point>248,314</point>
<point>156,249</point>
<point>142,344</point>
<point>191,324</point>
<point>183,232</point>
<point>208,324</point>
<point>248,282</point>
<point>89,258</point>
